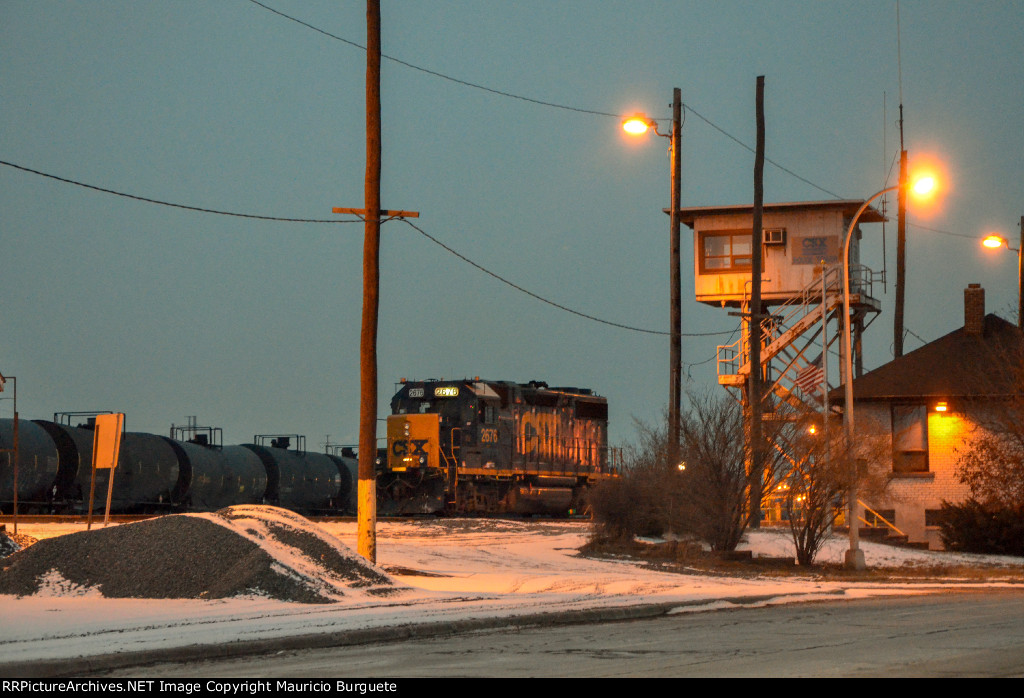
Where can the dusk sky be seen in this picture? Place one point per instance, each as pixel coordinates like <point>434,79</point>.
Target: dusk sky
<point>114,303</point>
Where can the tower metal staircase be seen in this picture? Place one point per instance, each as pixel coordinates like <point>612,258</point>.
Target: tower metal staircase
<point>792,344</point>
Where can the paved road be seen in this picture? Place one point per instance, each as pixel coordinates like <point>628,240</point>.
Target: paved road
<point>958,634</point>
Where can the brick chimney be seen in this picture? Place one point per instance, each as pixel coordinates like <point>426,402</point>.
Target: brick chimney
<point>974,309</point>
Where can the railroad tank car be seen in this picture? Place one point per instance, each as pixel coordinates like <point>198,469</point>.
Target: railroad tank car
<point>57,460</point>
<point>70,491</point>
<point>302,480</point>
<point>472,446</point>
<point>214,477</point>
<point>158,474</point>
<point>40,468</point>
<point>147,478</point>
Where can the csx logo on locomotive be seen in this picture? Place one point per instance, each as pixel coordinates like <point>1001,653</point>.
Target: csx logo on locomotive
<point>402,447</point>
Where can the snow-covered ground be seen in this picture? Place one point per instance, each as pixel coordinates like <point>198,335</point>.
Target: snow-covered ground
<point>454,570</point>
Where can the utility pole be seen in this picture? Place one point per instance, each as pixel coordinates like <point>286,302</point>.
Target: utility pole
<point>1020,276</point>
<point>901,249</point>
<point>901,220</point>
<point>754,388</point>
<point>675,352</point>
<point>636,125</point>
<point>367,494</point>
<point>367,484</point>
<point>14,446</point>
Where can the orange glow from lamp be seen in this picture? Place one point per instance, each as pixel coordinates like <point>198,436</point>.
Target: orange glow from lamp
<point>995,241</point>
<point>924,186</point>
<point>928,177</point>
<point>636,124</point>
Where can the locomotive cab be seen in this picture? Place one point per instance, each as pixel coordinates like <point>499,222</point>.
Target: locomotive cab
<point>443,425</point>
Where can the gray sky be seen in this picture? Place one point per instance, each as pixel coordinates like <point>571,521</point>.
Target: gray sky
<point>110,303</point>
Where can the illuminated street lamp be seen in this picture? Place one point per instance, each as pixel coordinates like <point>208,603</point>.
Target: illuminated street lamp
<point>922,186</point>
<point>638,125</point>
<point>996,241</point>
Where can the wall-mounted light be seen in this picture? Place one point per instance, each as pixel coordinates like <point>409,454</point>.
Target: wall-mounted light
<point>942,406</point>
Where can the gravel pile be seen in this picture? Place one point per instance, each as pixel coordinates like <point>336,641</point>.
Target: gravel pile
<point>238,551</point>
<point>11,543</point>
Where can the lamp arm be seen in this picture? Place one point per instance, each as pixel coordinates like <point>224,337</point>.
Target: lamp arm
<point>847,348</point>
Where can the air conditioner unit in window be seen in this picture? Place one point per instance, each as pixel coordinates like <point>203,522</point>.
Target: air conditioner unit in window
<point>774,236</point>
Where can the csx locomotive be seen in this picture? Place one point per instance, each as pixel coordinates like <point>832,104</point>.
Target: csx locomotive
<point>473,446</point>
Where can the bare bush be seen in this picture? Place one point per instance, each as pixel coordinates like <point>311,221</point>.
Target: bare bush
<point>640,502</point>
<point>716,482</point>
<point>816,485</point>
<point>704,493</point>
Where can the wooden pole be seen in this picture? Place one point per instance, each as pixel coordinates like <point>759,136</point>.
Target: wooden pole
<point>367,489</point>
<point>901,251</point>
<point>1020,276</point>
<point>754,382</point>
<point>675,352</point>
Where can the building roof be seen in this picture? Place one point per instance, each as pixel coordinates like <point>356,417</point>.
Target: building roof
<point>848,207</point>
<point>959,364</point>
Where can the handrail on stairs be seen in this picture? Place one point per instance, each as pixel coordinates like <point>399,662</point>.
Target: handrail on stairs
<point>876,518</point>
<point>732,356</point>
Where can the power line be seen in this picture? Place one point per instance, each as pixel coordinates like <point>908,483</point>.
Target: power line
<point>907,330</point>
<point>503,280</point>
<point>944,232</point>
<point>542,103</point>
<point>171,204</point>
<point>65,180</point>
<point>436,74</point>
<point>767,159</point>
<point>713,356</point>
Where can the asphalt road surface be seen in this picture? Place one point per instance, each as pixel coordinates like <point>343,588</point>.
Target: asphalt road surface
<point>956,634</point>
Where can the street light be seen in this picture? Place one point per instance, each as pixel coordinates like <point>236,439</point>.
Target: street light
<point>638,125</point>
<point>922,186</point>
<point>996,241</point>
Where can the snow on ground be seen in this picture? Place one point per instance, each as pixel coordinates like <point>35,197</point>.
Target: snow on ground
<point>456,570</point>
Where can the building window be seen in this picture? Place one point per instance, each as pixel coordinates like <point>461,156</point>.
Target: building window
<point>932,518</point>
<point>725,251</point>
<point>909,438</point>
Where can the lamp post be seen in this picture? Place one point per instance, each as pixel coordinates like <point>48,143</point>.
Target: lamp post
<point>637,125</point>
<point>855,556</point>
<point>996,241</point>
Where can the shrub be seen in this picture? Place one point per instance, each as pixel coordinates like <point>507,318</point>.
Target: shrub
<point>627,507</point>
<point>974,527</point>
<point>708,498</point>
<point>644,501</point>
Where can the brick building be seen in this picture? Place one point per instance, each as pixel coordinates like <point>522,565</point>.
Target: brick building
<point>929,403</point>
